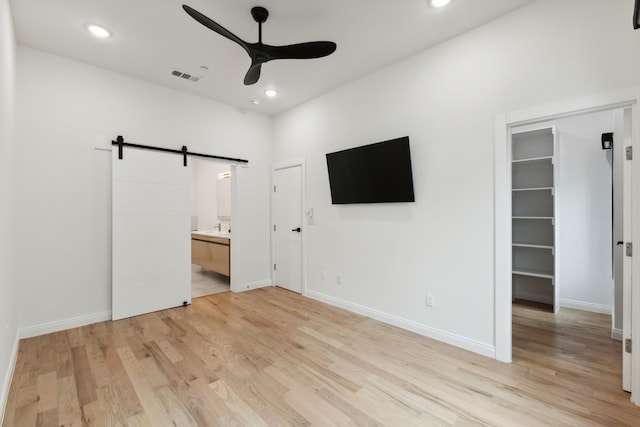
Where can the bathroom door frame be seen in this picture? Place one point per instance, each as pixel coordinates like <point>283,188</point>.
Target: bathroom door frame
<point>237,176</point>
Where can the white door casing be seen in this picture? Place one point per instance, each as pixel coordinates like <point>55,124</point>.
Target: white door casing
<point>151,250</point>
<point>627,215</point>
<point>634,290</point>
<point>287,220</point>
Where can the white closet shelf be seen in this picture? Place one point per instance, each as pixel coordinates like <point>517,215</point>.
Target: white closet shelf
<point>533,189</point>
<point>533,159</point>
<point>529,245</point>
<point>533,272</point>
<point>532,217</point>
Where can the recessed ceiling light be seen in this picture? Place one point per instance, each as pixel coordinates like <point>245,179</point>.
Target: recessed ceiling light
<point>271,93</point>
<point>98,31</point>
<point>439,3</point>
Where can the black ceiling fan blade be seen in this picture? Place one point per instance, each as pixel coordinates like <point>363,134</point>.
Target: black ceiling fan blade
<point>307,50</point>
<point>253,74</point>
<point>214,26</point>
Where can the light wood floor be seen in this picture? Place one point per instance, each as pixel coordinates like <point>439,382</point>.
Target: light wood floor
<point>272,357</point>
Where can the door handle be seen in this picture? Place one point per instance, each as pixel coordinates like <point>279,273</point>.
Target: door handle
<point>297,230</point>
<point>619,243</point>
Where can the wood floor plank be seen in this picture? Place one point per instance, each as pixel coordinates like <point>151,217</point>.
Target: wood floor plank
<point>119,382</point>
<point>264,396</point>
<point>143,384</point>
<point>272,357</point>
<point>236,404</point>
<point>47,387</point>
<point>178,413</point>
<point>85,382</point>
<point>47,418</point>
<point>69,412</point>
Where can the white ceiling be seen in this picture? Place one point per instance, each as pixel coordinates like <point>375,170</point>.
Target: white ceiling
<point>152,38</point>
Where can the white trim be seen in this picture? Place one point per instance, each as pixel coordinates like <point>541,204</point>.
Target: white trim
<point>502,242</point>
<point>436,334</point>
<point>292,163</point>
<point>253,285</point>
<point>64,324</point>
<point>502,184</point>
<point>616,334</point>
<point>573,107</point>
<point>4,396</point>
<point>534,297</point>
<point>635,261</point>
<point>585,306</point>
<point>235,251</point>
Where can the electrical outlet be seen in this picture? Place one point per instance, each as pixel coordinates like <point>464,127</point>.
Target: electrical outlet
<point>322,274</point>
<point>429,300</point>
<point>339,279</point>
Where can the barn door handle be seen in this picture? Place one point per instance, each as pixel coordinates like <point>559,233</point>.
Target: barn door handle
<point>297,230</point>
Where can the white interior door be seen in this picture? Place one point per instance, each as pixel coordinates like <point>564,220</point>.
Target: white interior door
<point>151,252</point>
<point>627,212</point>
<point>287,232</point>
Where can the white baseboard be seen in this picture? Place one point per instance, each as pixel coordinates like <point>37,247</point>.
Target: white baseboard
<point>446,337</point>
<point>4,395</point>
<point>585,306</point>
<point>616,334</point>
<point>534,297</point>
<point>253,285</point>
<point>61,325</point>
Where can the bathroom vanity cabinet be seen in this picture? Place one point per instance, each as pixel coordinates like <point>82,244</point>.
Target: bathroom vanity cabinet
<point>211,252</point>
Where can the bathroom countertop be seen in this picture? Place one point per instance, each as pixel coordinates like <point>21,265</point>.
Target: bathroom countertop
<point>212,233</point>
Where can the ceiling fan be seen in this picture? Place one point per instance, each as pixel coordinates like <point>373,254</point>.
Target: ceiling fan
<point>260,52</point>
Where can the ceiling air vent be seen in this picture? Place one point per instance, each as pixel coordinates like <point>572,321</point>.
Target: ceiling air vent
<point>185,76</point>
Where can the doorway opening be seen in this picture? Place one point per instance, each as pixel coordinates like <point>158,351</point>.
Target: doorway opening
<point>211,227</point>
<point>563,246</point>
<point>505,124</point>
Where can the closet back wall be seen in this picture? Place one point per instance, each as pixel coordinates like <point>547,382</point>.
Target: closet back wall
<point>585,263</point>
<point>64,254</point>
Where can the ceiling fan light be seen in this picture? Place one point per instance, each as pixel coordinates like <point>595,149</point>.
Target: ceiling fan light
<point>439,3</point>
<point>98,31</point>
<point>271,93</point>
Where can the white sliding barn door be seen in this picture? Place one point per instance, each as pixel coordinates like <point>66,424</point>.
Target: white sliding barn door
<point>151,252</point>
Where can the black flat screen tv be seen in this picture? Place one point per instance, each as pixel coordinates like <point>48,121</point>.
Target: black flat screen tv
<point>375,173</point>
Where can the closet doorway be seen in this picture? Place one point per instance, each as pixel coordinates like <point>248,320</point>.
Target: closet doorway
<point>563,240</point>
<point>623,106</point>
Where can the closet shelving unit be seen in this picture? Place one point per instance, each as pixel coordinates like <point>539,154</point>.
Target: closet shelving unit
<point>533,216</point>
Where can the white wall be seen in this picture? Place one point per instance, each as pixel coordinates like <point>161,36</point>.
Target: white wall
<point>64,184</point>
<point>446,100</point>
<point>584,198</point>
<point>8,296</point>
